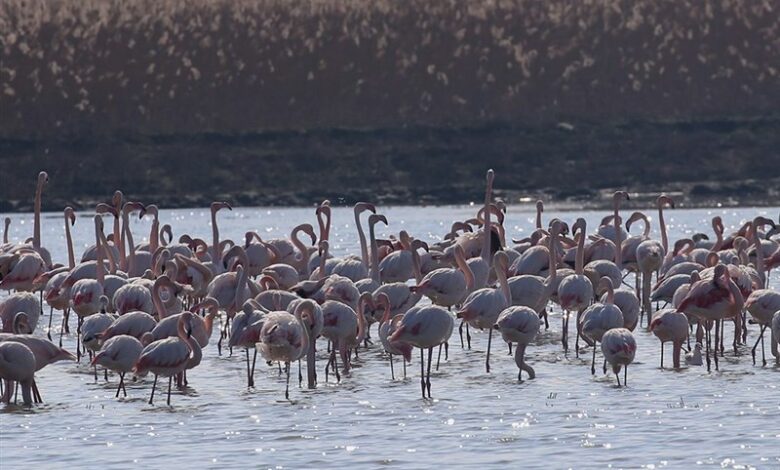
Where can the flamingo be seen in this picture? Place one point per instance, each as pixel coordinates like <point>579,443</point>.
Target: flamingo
<point>284,338</point>
<point>245,332</point>
<point>446,286</point>
<point>170,356</point>
<point>762,304</point>
<point>359,208</point>
<point>619,348</point>
<point>519,324</point>
<point>600,318</point>
<point>120,354</point>
<point>387,326</point>
<point>482,307</point>
<point>424,328</point>
<point>345,328</point>
<point>670,325</point>
<point>134,324</point>
<point>17,364</point>
<point>19,302</point>
<point>43,179</point>
<point>86,293</point>
<point>575,292</point>
<point>534,291</point>
<point>712,300</point>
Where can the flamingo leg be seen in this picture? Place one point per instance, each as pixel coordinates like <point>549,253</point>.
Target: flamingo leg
<point>78,341</point>
<point>543,314</point>
<point>403,360</point>
<point>617,375</point>
<point>468,337</point>
<point>509,343</point>
<point>51,314</point>
<point>564,331</point>
<point>662,354</point>
<point>170,382</point>
<point>593,362</point>
<point>392,373</point>
<point>248,372</point>
<point>287,387</point>
<point>121,384</point>
<point>446,350</point>
<point>422,372</point>
<point>252,374</point>
<point>154,386</point>
<point>625,376</point>
<point>428,379</point>
<point>763,353</point>
<point>460,332</point>
<point>438,359</point>
<point>707,349</point>
<point>487,357</point>
<point>300,375</point>
<point>717,335</point>
<point>36,393</point>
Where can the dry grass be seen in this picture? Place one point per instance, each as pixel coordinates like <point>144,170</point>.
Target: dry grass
<point>86,67</point>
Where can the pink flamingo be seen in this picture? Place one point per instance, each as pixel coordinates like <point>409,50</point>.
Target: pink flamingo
<point>345,328</point>
<point>619,348</point>
<point>600,318</point>
<point>120,354</point>
<point>712,300</point>
<point>670,325</point>
<point>424,328</point>
<point>575,292</point>
<point>762,304</point>
<point>284,337</point>
<point>519,324</point>
<point>387,326</point>
<point>482,307</point>
<point>170,356</point>
<point>17,364</point>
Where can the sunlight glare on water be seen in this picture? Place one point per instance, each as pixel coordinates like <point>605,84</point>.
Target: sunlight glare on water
<point>563,418</point>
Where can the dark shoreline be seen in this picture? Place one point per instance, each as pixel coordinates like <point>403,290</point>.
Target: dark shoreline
<point>704,163</point>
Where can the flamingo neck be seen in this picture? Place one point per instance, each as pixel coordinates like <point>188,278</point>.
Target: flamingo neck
<point>662,222</point>
<point>37,217</point>
<point>69,241</point>
<point>302,261</point>
<point>579,263</point>
<point>618,236</point>
<point>374,253</point>
<point>158,301</point>
<point>465,269</point>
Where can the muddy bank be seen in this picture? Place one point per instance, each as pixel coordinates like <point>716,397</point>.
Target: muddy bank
<point>706,162</point>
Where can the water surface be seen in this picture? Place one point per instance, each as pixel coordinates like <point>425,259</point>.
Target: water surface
<point>563,418</point>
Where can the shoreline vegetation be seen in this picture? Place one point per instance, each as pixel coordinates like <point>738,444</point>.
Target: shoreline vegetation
<point>262,102</point>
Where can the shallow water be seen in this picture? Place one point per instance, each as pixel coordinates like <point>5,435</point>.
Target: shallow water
<point>563,418</point>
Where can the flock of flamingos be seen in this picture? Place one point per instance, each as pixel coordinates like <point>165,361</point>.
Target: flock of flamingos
<point>151,308</point>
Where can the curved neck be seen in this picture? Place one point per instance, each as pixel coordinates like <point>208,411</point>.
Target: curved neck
<point>37,217</point>
<point>718,238</point>
<point>579,264</point>
<point>303,261</point>
<point>416,264</point>
<point>240,286</point>
<point>196,353</point>
<point>465,269</point>
<point>662,223</point>
<point>538,217</point>
<point>759,257</point>
<point>552,260</point>
<point>130,260</point>
<point>323,259</point>
<point>5,230</point>
<point>109,254</point>
<point>362,237</point>
<point>158,301</point>
<point>215,250</point>
<point>503,284</point>
<point>361,318</point>
<point>69,242</point>
<point>154,235</point>
<point>99,269</point>
<point>618,236</point>
<point>486,229</point>
<point>374,253</point>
